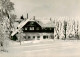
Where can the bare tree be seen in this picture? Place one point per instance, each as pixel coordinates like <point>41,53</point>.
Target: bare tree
<point>65,29</point>
<point>57,30</point>
<point>77,29</point>
<point>20,36</point>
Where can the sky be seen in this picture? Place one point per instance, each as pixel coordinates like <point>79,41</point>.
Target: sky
<point>47,8</point>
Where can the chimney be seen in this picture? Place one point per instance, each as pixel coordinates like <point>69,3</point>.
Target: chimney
<point>50,19</point>
<point>22,17</point>
<point>27,15</point>
<point>33,17</point>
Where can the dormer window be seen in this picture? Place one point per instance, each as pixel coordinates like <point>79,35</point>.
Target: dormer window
<point>31,28</point>
<point>31,23</point>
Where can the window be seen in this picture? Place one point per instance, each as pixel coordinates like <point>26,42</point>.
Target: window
<point>50,28</point>
<point>33,36</point>
<point>29,37</point>
<point>25,28</point>
<point>38,37</point>
<point>37,28</point>
<point>31,28</point>
<point>45,37</point>
<point>31,23</point>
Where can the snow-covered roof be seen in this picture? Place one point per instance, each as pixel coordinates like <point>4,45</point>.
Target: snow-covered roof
<point>20,26</point>
<point>44,23</point>
<point>49,24</point>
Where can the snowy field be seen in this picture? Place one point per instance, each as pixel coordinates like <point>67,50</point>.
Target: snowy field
<point>44,48</point>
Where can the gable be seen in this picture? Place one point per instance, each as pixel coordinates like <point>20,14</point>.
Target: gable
<point>31,24</point>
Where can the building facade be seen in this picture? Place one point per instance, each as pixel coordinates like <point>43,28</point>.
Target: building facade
<point>33,29</point>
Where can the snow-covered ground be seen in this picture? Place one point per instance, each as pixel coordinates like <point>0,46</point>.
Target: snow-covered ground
<point>43,48</point>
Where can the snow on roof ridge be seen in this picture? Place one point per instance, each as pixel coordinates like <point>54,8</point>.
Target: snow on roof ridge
<point>19,27</point>
<point>23,23</point>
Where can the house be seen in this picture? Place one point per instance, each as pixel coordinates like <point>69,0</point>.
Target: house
<point>33,29</point>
